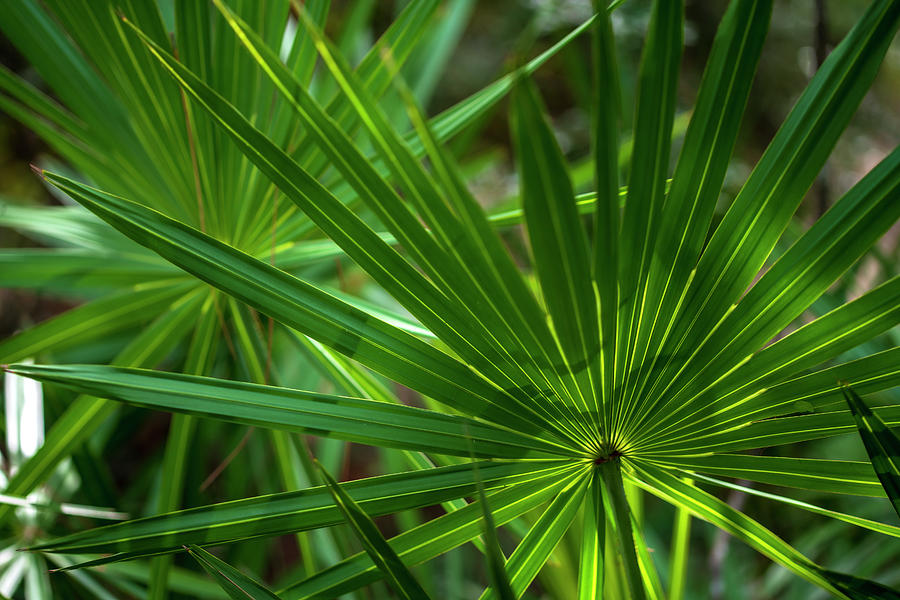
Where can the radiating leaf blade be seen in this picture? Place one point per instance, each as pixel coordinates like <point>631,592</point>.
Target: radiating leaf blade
<point>443,314</point>
<point>496,567</point>
<point>700,170</point>
<point>557,237</point>
<point>606,98</point>
<point>891,530</point>
<point>882,444</point>
<point>747,234</point>
<point>434,537</point>
<point>301,305</point>
<point>535,548</point>
<point>833,476</point>
<point>237,585</point>
<point>356,419</point>
<point>641,220</point>
<point>385,558</point>
<point>288,512</point>
<point>706,507</point>
<point>559,248</point>
<point>802,274</point>
<point>451,255</point>
<point>593,542</point>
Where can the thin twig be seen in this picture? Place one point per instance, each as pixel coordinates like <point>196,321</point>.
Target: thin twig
<point>224,464</point>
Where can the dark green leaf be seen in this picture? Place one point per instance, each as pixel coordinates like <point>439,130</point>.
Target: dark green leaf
<point>882,444</point>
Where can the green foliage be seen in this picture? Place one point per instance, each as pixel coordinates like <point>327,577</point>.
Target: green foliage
<point>384,557</point>
<point>237,585</point>
<point>882,444</point>
<point>221,170</point>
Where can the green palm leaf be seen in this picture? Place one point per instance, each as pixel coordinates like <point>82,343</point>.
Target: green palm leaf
<point>499,577</point>
<point>356,419</point>
<point>535,548</point>
<point>767,200</point>
<point>708,508</point>
<point>434,537</point>
<point>325,318</point>
<point>642,350</point>
<point>384,557</point>
<point>293,511</point>
<point>559,247</point>
<point>237,585</point>
<point>882,444</point>
<point>590,571</point>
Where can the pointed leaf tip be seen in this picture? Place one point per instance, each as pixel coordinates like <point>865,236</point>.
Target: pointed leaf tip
<point>881,443</point>
<point>37,170</point>
<point>856,404</point>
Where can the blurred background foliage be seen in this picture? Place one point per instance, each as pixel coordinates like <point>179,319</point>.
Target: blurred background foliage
<point>488,39</point>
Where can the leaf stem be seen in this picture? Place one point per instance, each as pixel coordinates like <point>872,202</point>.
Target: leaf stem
<point>619,515</point>
<point>680,552</point>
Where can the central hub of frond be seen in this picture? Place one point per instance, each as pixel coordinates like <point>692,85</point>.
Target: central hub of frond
<point>605,458</point>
